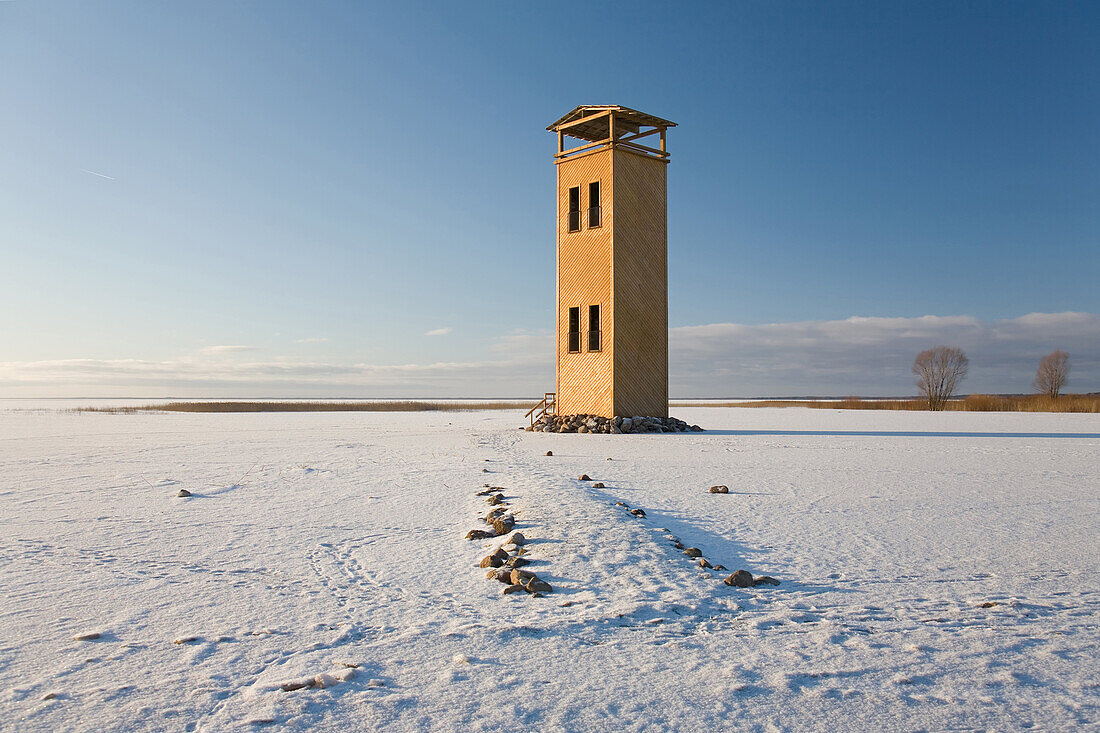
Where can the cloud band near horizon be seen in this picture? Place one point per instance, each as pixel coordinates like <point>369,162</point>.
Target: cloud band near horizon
<point>855,356</point>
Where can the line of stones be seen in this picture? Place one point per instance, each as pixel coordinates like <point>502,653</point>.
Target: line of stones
<point>739,579</point>
<point>506,562</point>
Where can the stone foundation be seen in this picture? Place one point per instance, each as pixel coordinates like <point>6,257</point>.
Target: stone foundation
<point>613,425</point>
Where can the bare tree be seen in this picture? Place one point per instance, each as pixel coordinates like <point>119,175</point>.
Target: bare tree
<point>939,372</point>
<point>1053,373</point>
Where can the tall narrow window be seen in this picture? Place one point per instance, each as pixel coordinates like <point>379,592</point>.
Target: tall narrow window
<point>594,328</point>
<point>594,204</point>
<point>575,209</point>
<point>574,329</point>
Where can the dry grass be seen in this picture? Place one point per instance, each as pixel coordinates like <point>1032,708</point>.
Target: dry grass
<point>1031,403</point>
<point>393,406</point>
<point>971,403</point>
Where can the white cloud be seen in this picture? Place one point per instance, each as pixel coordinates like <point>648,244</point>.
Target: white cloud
<point>872,356</point>
<point>854,356</point>
<point>227,349</point>
<point>312,340</point>
<point>439,331</point>
<point>515,369</point>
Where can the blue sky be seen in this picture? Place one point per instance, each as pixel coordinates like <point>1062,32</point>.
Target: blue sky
<point>275,199</point>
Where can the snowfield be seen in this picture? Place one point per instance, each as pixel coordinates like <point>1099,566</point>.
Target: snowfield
<point>939,571</point>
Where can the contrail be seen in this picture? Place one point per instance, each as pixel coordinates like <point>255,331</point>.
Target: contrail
<point>109,178</point>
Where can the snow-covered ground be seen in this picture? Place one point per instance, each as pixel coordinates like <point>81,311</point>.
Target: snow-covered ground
<point>939,571</point>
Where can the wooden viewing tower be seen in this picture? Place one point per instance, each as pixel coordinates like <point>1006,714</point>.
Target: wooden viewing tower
<point>612,311</point>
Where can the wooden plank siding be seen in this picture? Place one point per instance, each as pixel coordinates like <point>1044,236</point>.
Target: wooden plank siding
<point>621,266</point>
<point>584,383</point>
<point>640,266</point>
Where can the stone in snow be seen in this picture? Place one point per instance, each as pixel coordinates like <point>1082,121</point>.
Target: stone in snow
<point>183,492</point>
<point>522,576</point>
<point>549,452</point>
<point>503,575</point>
<point>537,585</point>
<point>740,579</point>
<point>693,552</point>
<point>597,485</point>
<point>514,588</point>
<point>90,636</point>
<point>765,580</point>
<point>479,534</point>
<point>517,539</point>
<point>719,490</point>
<point>495,560</point>
<point>584,477</point>
<point>638,512</point>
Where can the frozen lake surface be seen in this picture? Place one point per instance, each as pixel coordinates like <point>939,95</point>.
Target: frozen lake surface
<point>939,571</point>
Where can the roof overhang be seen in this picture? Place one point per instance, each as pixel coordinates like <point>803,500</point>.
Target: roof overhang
<point>592,122</point>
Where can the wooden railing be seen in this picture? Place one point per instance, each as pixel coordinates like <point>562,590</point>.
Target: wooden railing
<point>547,405</point>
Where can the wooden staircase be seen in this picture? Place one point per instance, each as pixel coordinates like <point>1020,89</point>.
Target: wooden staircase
<point>547,405</point>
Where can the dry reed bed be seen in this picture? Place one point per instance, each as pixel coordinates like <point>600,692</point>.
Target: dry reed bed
<point>971,403</point>
<point>393,406</point>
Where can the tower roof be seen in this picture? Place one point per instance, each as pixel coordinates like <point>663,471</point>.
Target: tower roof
<point>627,120</point>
